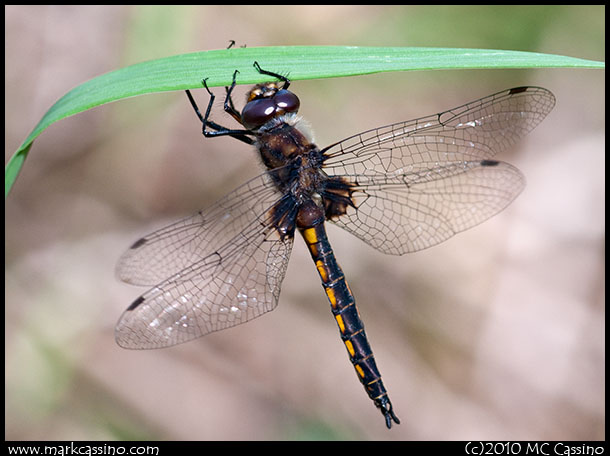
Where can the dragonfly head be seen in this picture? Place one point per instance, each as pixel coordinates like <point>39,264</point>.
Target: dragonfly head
<point>265,102</point>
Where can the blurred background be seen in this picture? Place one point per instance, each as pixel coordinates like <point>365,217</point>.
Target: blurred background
<point>496,334</point>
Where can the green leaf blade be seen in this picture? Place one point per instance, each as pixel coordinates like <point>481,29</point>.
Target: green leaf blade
<point>186,71</point>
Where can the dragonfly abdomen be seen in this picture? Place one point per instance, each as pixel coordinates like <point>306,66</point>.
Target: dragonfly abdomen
<point>343,307</point>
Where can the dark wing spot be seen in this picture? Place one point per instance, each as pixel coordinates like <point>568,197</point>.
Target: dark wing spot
<point>517,90</point>
<point>139,243</point>
<point>489,163</point>
<point>136,303</point>
<point>282,216</point>
<point>337,196</point>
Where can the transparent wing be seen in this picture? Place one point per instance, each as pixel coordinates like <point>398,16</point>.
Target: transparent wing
<point>173,248</point>
<point>398,214</point>
<point>419,182</point>
<point>474,131</point>
<point>224,266</point>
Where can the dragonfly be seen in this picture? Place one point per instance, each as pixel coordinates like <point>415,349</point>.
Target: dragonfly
<point>400,188</point>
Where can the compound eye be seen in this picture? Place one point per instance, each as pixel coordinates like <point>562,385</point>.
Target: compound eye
<point>286,101</point>
<point>257,112</point>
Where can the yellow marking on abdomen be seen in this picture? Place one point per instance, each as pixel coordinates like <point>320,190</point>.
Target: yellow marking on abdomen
<point>359,371</point>
<point>339,319</point>
<point>310,235</point>
<point>322,270</point>
<point>331,296</point>
<point>350,347</point>
<point>313,249</point>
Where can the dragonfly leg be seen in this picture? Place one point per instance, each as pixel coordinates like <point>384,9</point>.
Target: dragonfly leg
<point>219,130</point>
